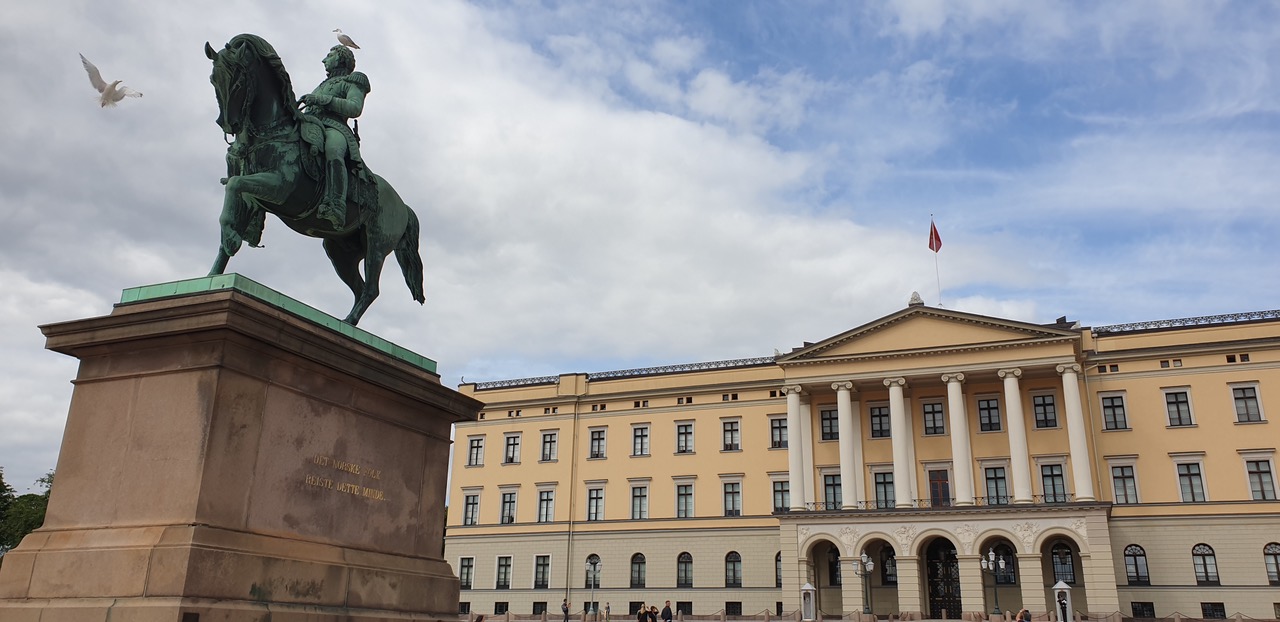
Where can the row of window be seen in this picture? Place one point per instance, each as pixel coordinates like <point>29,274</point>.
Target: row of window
<point>1203,560</point>
<point>732,503</point>
<point>638,565</point>
<point>1178,406</point>
<point>1258,469</point>
<point>731,608</point>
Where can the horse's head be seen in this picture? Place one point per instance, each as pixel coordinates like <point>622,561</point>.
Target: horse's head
<point>230,85</point>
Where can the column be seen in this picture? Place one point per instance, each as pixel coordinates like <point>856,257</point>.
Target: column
<point>903,496</point>
<point>1031,581</point>
<point>961,452</point>
<point>972,591</point>
<point>806,436</point>
<point>1081,465</point>
<point>850,456</point>
<point>909,581</point>
<point>1019,460</point>
<point>851,586</point>
<point>795,462</point>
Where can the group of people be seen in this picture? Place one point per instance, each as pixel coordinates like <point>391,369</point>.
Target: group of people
<point>644,614</point>
<point>651,614</point>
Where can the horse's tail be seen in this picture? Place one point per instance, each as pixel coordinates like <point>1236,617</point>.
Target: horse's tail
<point>408,258</point>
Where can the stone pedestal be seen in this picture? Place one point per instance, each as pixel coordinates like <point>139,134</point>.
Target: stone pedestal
<point>228,459</point>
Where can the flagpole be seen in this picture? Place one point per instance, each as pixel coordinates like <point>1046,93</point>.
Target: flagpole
<point>936,273</point>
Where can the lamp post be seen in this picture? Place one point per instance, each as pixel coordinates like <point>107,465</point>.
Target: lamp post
<point>593,568</point>
<point>863,568</point>
<point>993,566</point>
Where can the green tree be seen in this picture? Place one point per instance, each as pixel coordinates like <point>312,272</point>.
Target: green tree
<point>6,495</point>
<point>22,514</point>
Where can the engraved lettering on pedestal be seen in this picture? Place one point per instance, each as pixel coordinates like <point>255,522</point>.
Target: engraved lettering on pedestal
<point>355,489</point>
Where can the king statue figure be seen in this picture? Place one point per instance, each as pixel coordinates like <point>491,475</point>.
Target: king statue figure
<point>339,98</point>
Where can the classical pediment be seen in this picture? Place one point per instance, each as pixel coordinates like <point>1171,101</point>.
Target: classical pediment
<point>920,328</point>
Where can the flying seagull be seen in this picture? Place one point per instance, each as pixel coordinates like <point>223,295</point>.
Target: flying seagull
<point>345,40</point>
<point>109,94</point>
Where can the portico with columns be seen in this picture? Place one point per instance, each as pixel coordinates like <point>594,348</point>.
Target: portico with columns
<point>934,417</point>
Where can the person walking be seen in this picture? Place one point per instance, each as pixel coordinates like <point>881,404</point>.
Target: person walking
<point>564,608</point>
<point>643,614</point>
<point>606,611</point>
<point>666,612</point>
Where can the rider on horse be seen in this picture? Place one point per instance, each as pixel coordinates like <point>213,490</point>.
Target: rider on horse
<point>339,98</point>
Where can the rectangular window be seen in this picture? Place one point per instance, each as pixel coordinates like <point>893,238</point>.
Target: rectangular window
<point>548,446</point>
<point>1213,611</point>
<point>501,607</point>
<point>879,422</point>
<point>640,440</point>
<point>684,571</point>
<point>597,443</point>
<point>684,438</point>
<point>830,425</point>
<point>1261,483</point>
<point>1178,405</point>
<point>685,606</point>
<point>1247,408</point>
<point>639,502</point>
<point>464,607</point>
<point>546,506</point>
<point>541,574</point>
<point>989,414</point>
<point>733,499</point>
<point>884,490</point>
<point>508,507</point>
<point>939,488</point>
<point>778,433</point>
<point>1046,411</point>
<point>934,424</point>
<point>470,509</point>
<point>475,452</point>
<point>512,453</point>
<point>1113,417</point>
<point>733,608</point>
<point>1143,609</point>
<point>684,501</point>
<point>1191,482</point>
<point>466,572</point>
<point>595,504</point>
<point>504,574</point>
<point>732,436</point>
<point>997,486</point>
<point>539,607</point>
<point>1054,484</point>
<point>781,496</point>
<point>831,491</point>
<point>1125,484</point>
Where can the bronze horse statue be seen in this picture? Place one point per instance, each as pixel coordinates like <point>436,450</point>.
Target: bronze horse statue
<point>275,165</point>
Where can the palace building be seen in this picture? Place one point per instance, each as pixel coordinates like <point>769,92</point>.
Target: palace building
<point>929,464</point>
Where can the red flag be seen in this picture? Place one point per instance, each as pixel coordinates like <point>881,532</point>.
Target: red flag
<point>935,240</point>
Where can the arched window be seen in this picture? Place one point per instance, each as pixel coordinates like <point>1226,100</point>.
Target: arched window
<point>833,566</point>
<point>733,569</point>
<point>1206,564</point>
<point>888,566</point>
<point>777,569</point>
<point>684,570</point>
<point>1009,575</point>
<point>592,570</point>
<point>637,570</point>
<point>1135,565</point>
<point>1270,555</point>
<point>1064,569</point>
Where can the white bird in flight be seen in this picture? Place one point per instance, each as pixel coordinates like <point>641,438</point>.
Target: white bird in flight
<point>345,40</point>
<point>109,94</point>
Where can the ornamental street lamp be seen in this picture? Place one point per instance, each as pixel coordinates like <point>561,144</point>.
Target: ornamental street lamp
<point>593,571</point>
<point>863,567</point>
<point>993,566</point>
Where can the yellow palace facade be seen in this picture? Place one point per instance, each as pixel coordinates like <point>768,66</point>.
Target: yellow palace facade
<point>929,464</point>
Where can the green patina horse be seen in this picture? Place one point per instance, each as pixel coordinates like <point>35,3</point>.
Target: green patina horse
<point>275,165</point>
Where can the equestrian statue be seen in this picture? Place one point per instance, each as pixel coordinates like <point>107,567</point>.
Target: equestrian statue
<point>301,161</point>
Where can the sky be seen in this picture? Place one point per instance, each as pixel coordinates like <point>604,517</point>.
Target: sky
<point>608,185</point>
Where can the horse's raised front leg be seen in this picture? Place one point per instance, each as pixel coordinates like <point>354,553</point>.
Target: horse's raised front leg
<point>238,211</point>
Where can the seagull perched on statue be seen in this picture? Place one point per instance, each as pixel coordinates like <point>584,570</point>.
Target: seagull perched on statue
<point>345,40</point>
<point>108,94</point>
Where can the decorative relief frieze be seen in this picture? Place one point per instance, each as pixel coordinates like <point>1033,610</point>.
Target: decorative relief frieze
<point>1081,527</point>
<point>849,535</point>
<point>1027,531</point>
<point>967,534</point>
<point>804,533</point>
<point>905,534</point>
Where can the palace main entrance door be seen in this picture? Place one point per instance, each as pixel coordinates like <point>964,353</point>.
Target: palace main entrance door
<point>943,580</point>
